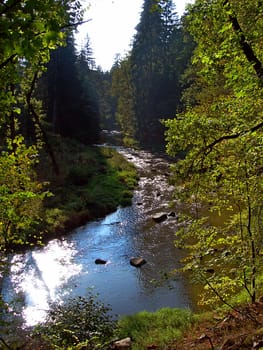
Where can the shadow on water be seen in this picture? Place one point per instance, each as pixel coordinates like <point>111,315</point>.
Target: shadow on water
<point>67,267</point>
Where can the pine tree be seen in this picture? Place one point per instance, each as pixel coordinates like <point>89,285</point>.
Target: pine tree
<point>154,69</point>
<point>72,111</point>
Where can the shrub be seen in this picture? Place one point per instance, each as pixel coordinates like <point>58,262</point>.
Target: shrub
<point>79,321</point>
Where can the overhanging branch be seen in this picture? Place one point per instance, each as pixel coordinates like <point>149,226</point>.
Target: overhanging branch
<point>70,25</point>
<point>245,46</point>
<point>209,148</point>
<point>76,24</point>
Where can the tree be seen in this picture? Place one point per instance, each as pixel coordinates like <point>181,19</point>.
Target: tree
<point>72,109</point>
<point>220,133</point>
<point>122,88</point>
<point>146,66</point>
<point>29,31</point>
<point>107,102</point>
<point>21,195</point>
<point>158,59</point>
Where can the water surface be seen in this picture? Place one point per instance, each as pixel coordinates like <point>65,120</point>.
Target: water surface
<point>66,267</point>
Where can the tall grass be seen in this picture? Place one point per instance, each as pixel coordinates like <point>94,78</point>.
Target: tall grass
<point>159,328</point>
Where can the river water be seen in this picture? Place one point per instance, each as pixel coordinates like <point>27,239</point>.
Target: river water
<point>66,267</point>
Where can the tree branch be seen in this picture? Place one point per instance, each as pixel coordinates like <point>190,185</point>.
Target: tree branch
<point>230,137</point>
<point>246,47</point>
<point>9,59</point>
<point>5,344</point>
<point>70,25</point>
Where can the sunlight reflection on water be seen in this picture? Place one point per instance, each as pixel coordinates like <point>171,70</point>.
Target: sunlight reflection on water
<point>38,277</point>
<point>66,267</point>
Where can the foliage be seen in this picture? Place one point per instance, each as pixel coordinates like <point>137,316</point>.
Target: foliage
<point>21,195</point>
<point>79,323</point>
<point>93,181</point>
<point>220,132</point>
<point>29,31</point>
<point>122,88</point>
<point>159,328</point>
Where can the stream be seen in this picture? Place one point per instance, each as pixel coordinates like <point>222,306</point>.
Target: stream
<point>66,267</point>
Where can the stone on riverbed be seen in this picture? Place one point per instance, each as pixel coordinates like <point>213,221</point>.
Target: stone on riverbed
<point>159,217</point>
<point>137,262</point>
<point>100,261</point>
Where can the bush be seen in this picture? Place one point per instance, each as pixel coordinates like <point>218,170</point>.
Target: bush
<point>78,323</point>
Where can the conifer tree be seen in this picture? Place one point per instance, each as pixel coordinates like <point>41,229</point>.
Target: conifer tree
<point>157,62</point>
<point>72,110</point>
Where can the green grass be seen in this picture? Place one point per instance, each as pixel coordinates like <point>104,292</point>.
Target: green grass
<point>93,181</point>
<point>159,328</point>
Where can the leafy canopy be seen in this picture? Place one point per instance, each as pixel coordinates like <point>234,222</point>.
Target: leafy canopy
<point>29,30</point>
<point>220,134</point>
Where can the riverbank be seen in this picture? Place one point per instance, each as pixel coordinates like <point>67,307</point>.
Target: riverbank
<point>127,232</point>
<point>177,329</point>
<point>165,329</point>
<point>93,181</point>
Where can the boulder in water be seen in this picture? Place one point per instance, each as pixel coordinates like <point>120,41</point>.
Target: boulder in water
<point>137,262</point>
<point>159,217</point>
<point>100,261</point>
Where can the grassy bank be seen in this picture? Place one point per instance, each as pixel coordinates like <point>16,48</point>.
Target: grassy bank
<point>177,329</point>
<point>155,330</point>
<point>92,182</point>
<point>69,328</point>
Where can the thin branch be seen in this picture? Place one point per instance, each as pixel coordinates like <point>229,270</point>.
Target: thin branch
<point>70,25</point>
<point>9,59</point>
<point>220,296</point>
<point>5,344</point>
<point>245,46</point>
<point>209,148</point>
<point>245,284</point>
<point>222,299</point>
